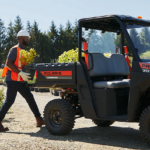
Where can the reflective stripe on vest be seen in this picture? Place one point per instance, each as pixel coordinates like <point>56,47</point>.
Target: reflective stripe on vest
<point>17,63</point>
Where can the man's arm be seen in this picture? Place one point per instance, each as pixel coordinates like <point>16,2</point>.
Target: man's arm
<point>10,64</point>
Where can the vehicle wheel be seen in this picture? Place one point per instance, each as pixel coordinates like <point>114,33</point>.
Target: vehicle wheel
<point>103,123</point>
<point>145,125</point>
<point>59,117</point>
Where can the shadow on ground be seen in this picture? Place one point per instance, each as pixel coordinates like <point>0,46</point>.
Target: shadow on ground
<point>9,120</point>
<point>111,136</point>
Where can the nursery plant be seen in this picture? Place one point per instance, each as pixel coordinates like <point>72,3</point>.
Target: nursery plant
<point>72,56</point>
<point>27,58</point>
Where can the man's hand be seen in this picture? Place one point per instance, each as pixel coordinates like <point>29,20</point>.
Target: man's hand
<point>24,76</point>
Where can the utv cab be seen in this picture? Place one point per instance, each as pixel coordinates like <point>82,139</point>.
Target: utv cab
<point>111,81</point>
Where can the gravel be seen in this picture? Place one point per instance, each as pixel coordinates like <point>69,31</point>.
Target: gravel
<point>23,135</point>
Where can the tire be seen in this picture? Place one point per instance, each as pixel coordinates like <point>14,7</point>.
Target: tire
<point>145,125</point>
<point>59,117</point>
<point>103,123</point>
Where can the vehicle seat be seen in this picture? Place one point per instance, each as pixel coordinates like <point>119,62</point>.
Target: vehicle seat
<point>115,65</point>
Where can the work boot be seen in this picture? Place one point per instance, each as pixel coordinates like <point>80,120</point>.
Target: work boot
<point>2,129</point>
<point>39,122</point>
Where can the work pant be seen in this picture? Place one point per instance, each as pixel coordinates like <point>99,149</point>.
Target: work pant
<point>23,89</point>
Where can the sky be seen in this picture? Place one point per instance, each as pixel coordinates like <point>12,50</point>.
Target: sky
<point>60,11</point>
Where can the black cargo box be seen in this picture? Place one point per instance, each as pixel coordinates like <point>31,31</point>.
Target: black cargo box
<point>56,75</point>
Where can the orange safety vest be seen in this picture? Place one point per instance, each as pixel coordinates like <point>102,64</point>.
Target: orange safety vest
<point>17,63</point>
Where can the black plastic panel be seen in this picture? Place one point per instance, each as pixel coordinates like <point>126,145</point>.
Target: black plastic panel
<point>111,102</point>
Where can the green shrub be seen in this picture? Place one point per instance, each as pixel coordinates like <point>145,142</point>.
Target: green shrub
<point>2,96</point>
<point>69,56</point>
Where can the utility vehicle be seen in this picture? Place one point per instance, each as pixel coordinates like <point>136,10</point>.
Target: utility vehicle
<point>99,87</point>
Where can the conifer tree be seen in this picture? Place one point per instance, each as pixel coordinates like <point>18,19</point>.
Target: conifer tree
<point>61,40</point>
<point>2,41</point>
<point>35,34</point>
<point>75,35</point>
<point>145,38</point>
<point>68,36</point>
<point>53,41</point>
<point>44,48</point>
<point>18,25</point>
<point>11,38</point>
<point>29,29</point>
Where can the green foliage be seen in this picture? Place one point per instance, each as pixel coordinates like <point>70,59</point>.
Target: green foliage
<point>69,56</point>
<point>2,40</point>
<point>2,96</point>
<point>117,41</point>
<point>18,25</point>
<point>11,39</point>
<point>101,42</point>
<point>32,81</point>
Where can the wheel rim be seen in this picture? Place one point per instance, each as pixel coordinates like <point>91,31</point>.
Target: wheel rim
<point>55,118</point>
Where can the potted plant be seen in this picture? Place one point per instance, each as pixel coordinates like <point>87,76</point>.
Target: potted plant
<point>27,58</point>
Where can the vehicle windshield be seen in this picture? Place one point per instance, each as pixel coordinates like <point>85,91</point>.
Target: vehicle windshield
<point>140,36</point>
<point>102,42</point>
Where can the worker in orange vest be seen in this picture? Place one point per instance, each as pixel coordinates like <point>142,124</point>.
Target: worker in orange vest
<point>16,81</point>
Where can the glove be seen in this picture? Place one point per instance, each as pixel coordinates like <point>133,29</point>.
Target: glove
<point>24,75</point>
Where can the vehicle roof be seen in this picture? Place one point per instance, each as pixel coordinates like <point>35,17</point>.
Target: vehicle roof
<point>109,23</point>
<point>122,17</point>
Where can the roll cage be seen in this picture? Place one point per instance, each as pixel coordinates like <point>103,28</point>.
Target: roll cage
<point>112,23</point>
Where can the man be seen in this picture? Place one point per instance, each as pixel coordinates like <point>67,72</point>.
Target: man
<point>16,81</point>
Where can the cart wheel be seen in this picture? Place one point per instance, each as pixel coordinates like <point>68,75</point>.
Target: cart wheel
<point>103,123</point>
<point>145,125</point>
<point>59,117</point>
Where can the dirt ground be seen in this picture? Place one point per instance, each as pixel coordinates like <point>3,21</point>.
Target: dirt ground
<point>23,135</point>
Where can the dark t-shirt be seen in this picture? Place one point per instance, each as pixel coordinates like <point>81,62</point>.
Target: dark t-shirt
<point>12,55</point>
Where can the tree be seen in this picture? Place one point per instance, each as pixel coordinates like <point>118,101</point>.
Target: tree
<point>135,38</point>
<point>145,39</point>
<point>35,34</point>
<point>53,41</point>
<point>18,25</point>
<point>2,41</point>
<point>75,35</point>
<point>44,48</point>
<point>94,41</point>
<point>61,38</point>
<point>11,38</point>
<point>29,29</point>
<point>68,36</point>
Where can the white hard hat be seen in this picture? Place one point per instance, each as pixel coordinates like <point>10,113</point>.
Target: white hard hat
<point>23,33</point>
